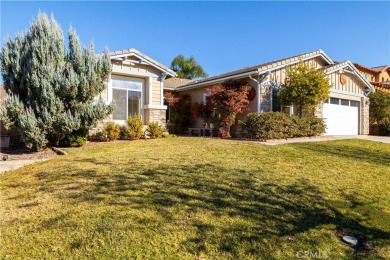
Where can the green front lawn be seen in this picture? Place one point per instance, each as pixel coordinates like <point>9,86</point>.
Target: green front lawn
<point>200,198</point>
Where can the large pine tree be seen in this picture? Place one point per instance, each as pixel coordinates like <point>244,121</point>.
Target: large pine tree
<point>52,90</point>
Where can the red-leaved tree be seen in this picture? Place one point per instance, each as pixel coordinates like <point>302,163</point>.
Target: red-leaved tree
<point>229,99</point>
<point>180,105</point>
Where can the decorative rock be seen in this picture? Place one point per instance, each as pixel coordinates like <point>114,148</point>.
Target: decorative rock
<point>59,151</point>
<point>350,240</point>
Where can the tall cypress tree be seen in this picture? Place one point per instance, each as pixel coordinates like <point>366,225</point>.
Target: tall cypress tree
<point>53,91</point>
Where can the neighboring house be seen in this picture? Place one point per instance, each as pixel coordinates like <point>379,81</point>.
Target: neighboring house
<point>379,76</point>
<point>12,136</point>
<point>346,112</point>
<point>136,85</point>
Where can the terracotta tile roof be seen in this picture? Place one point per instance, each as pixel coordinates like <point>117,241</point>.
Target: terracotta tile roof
<point>142,55</point>
<point>175,82</point>
<point>382,84</point>
<point>361,67</point>
<point>379,68</point>
<point>262,67</point>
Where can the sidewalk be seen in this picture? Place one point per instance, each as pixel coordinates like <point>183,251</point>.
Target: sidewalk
<point>383,139</point>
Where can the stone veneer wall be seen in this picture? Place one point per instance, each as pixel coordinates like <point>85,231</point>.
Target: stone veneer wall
<point>155,115</point>
<point>365,115</point>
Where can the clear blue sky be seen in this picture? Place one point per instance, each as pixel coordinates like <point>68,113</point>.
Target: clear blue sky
<point>222,36</point>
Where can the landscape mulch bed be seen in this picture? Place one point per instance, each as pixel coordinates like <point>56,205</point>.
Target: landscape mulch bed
<point>22,153</point>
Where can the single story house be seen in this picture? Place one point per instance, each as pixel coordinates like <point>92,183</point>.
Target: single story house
<point>136,84</point>
<point>346,112</point>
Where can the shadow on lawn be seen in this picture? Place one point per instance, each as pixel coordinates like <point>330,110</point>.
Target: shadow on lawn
<point>181,194</point>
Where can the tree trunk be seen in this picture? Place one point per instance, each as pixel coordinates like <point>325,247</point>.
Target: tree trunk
<point>300,111</point>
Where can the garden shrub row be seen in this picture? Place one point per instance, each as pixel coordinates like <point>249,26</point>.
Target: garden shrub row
<point>277,125</point>
<point>133,130</point>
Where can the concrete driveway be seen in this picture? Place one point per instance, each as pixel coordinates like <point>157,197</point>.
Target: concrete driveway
<point>382,139</point>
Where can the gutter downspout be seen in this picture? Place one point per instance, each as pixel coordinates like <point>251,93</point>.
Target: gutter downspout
<point>259,81</point>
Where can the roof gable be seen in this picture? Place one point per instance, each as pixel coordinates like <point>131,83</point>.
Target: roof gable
<point>349,67</point>
<point>142,59</point>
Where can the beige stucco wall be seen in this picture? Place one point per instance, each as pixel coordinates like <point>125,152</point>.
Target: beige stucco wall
<point>156,91</point>
<point>383,76</point>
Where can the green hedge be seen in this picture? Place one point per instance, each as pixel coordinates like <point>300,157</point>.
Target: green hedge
<point>154,130</point>
<point>134,128</point>
<point>384,129</point>
<point>111,132</point>
<point>277,125</point>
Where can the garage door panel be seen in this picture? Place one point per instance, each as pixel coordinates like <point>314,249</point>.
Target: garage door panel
<point>341,120</point>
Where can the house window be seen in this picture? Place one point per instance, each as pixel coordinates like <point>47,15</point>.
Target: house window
<point>290,110</point>
<point>355,103</point>
<point>383,79</point>
<point>344,102</point>
<point>127,94</point>
<point>276,105</point>
<point>335,101</point>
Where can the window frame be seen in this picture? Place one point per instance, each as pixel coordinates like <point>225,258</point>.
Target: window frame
<point>142,91</point>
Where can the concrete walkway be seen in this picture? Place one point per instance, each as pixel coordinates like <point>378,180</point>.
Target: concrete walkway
<point>382,139</point>
<point>6,166</point>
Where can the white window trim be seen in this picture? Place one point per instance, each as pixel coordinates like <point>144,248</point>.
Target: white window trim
<point>110,94</point>
<point>150,90</point>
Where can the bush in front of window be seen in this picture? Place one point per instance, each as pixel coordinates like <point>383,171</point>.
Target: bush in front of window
<point>269,125</point>
<point>111,132</point>
<point>277,125</point>
<point>155,130</point>
<point>134,128</point>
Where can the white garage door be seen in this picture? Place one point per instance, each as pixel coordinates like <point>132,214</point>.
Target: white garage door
<point>341,116</point>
